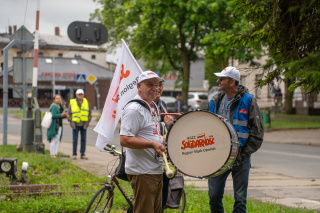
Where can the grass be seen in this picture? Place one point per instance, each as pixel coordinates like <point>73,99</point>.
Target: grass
<point>284,121</point>
<point>44,170</point>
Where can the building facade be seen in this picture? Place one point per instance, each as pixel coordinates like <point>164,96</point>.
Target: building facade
<point>266,96</point>
<point>63,67</point>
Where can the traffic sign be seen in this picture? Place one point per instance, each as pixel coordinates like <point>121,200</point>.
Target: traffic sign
<point>81,79</point>
<point>87,33</point>
<point>92,79</point>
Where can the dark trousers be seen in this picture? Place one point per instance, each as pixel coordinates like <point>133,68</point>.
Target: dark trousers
<point>240,176</point>
<point>83,135</point>
<point>165,190</point>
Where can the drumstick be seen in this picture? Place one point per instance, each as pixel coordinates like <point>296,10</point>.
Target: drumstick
<point>170,114</point>
<point>169,172</point>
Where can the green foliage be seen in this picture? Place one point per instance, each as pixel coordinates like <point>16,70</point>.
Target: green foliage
<point>45,170</point>
<point>283,121</point>
<point>169,35</point>
<point>290,31</point>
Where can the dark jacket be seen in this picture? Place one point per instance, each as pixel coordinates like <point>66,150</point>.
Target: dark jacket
<point>53,129</point>
<point>255,122</point>
<point>183,106</point>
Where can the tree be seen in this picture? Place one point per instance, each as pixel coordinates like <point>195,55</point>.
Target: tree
<point>173,33</point>
<point>290,30</point>
<point>219,54</point>
<point>155,29</point>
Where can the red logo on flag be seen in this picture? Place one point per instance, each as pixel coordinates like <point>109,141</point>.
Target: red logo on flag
<point>123,75</point>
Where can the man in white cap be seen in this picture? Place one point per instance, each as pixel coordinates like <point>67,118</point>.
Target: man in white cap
<point>235,103</point>
<point>79,117</point>
<point>140,133</point>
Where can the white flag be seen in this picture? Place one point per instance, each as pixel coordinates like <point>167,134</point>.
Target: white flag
<point>123,89</point>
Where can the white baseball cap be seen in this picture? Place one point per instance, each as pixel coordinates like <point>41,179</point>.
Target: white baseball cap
<point>79,91</point>
<point>148,75</point>
<point>230,72</point>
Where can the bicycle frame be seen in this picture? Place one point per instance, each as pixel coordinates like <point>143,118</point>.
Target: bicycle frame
<point>117,183</point>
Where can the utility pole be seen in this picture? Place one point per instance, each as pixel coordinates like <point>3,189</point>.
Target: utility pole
<point>38,146</point>
<point>53,79</point>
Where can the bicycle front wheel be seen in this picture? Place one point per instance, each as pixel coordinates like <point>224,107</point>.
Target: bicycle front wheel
<point>183,202</point>
<point>102,201</point>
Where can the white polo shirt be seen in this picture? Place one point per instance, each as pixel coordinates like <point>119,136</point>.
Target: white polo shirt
<point>137,121</point>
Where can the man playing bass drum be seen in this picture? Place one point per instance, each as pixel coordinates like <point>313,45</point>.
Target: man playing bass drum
<point>235,103</point>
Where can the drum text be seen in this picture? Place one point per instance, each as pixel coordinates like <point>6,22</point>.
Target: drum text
<point>200,142</point>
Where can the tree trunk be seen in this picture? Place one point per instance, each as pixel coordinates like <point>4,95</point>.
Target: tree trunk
<point>185,76</point>
<point>288,107</point>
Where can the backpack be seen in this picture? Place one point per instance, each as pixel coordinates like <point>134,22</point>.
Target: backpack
<point>175,192</point>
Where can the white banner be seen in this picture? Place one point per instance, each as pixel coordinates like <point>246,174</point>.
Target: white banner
<point>123,89</point>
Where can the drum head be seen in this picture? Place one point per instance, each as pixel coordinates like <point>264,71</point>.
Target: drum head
<point>199,143</point>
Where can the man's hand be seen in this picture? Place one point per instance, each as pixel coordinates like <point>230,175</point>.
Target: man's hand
<point>168,119</point>
<point>159,148</point>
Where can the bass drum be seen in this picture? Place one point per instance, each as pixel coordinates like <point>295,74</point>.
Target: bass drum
<point>202,144</point>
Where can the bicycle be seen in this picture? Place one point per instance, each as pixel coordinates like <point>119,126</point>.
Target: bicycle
<point>102,201</point>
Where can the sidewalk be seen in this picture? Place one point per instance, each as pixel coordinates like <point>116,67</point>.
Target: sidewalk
<point>264,186</point>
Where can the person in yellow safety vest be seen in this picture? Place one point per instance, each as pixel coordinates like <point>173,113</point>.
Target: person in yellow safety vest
<point>79,117</point>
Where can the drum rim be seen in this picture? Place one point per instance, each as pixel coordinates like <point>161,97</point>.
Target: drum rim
<point>228,158</point>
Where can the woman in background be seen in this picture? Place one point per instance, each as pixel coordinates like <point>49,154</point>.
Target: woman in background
<point>54,133</point>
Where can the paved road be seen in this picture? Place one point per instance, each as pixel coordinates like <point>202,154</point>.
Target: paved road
<point>298,161</point>
<point>282,171</point>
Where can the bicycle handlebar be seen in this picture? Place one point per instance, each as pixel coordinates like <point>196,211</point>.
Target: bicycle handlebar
<point>112,150</point>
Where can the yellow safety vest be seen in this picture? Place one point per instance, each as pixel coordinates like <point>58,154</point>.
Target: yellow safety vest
<point>77,113</point>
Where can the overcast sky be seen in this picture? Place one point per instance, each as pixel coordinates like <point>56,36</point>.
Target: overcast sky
<point>53,13</point>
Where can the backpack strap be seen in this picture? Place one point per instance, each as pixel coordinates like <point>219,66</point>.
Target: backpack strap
<point>138,101</point>
<point>144,104</point>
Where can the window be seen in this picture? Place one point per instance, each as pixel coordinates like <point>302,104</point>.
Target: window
<point>40,53</point>
<point>1,68</point>
<point>258,89</point>
<point>60,55</point>
<point>1,52</point>
<point>203,97</point>
<point>74,61</point>
<point>242,80</point>
<point>93,56</point>
<point>270,88</point>
<point>19,53</point>
<point>48,60</point>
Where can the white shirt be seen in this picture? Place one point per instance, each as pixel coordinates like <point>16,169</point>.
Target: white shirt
<point>137,121</point>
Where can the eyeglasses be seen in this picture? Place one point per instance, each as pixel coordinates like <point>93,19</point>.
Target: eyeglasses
<point>222,78</point>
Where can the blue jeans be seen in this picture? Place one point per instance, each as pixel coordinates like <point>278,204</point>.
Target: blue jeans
<point>83,135</point>
<point>240,177</point>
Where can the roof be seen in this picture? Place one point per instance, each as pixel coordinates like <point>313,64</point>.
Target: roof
<point>54,40</point>
<point>66,69</point>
